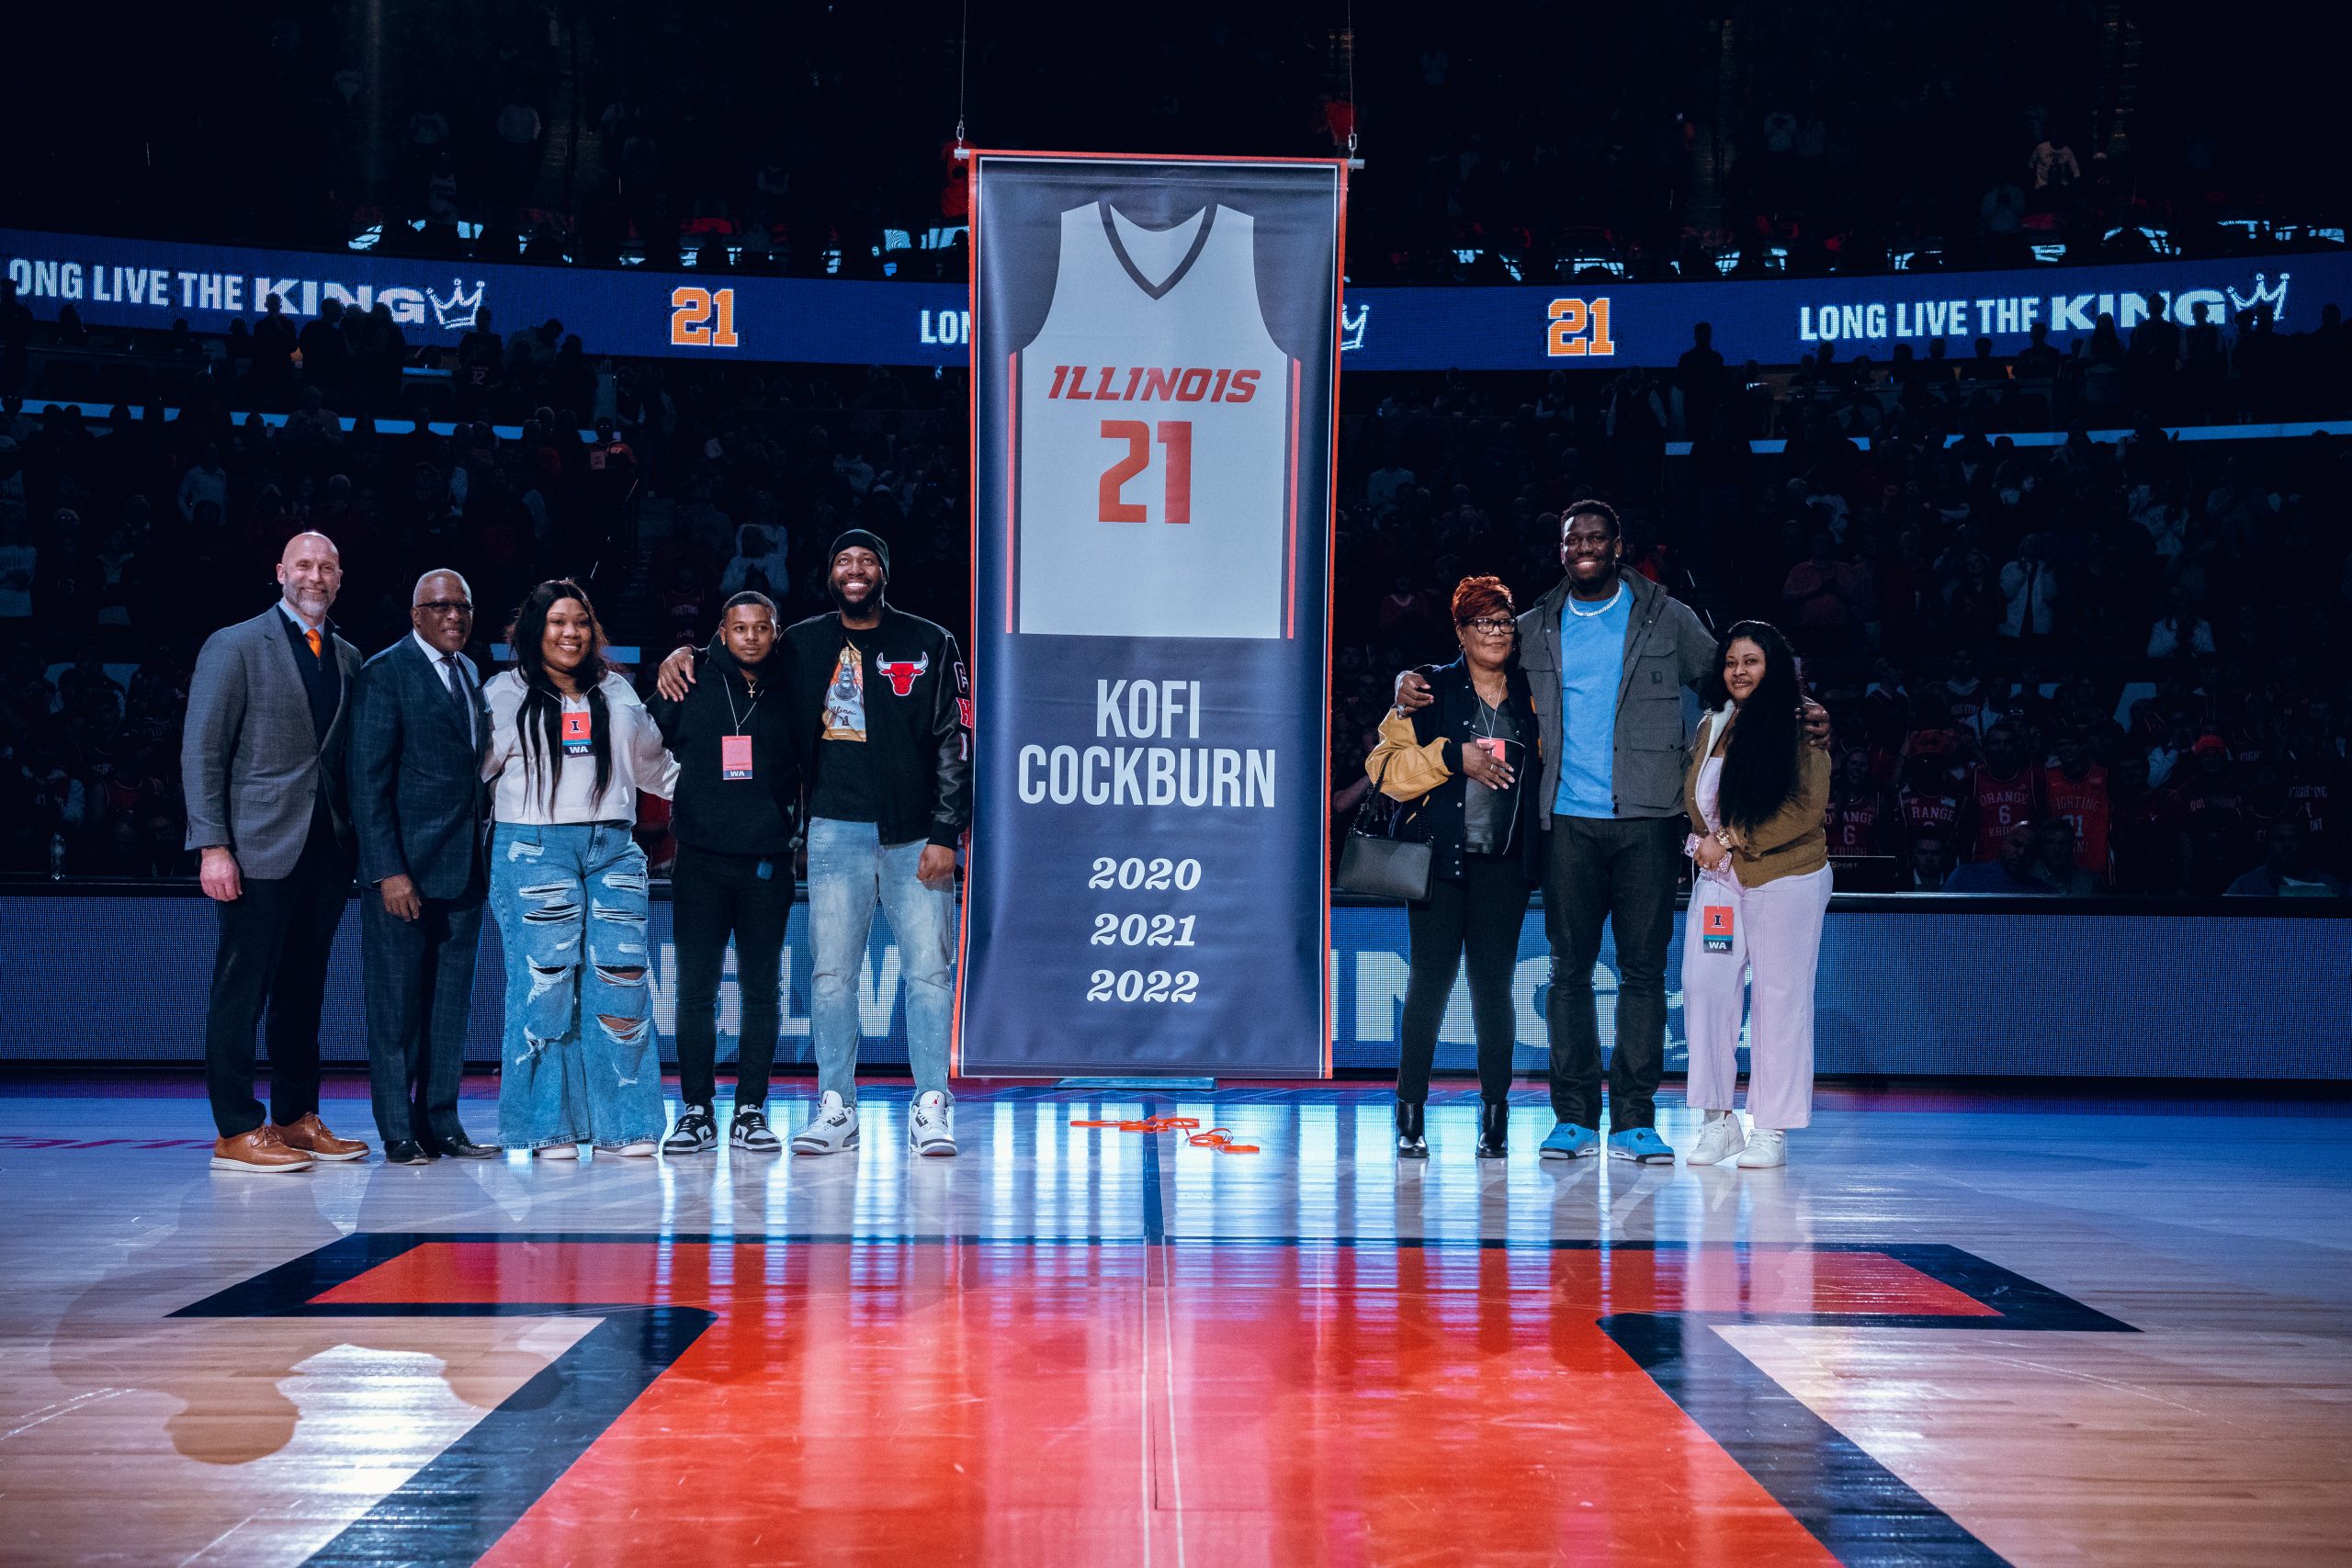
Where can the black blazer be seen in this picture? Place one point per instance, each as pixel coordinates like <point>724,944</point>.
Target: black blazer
<point>417,799</point>
<point>1453,716</point>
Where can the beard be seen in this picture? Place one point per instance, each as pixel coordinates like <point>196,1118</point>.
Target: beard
<point>858,607</point>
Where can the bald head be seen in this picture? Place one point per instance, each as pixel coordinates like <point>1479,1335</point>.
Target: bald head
<point>310,574</point>
<point>440,583</point>
<point>442,611</point>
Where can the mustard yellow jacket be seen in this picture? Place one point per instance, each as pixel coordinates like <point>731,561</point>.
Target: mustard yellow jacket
<point>1796,840</point>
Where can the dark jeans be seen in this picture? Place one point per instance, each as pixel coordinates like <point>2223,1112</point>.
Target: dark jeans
<point>1623,869</point>
<point>1482,913</point>
<point>274,946</point>
<point>710,897</point>
<point>420,982</point>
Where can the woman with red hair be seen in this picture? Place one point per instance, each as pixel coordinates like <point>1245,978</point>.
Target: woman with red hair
<point>1460,764</point>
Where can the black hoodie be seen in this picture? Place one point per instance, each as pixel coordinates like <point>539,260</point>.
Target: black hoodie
<point>751,816</point>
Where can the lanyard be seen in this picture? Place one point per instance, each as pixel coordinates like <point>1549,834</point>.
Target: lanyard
<point>737,718</point>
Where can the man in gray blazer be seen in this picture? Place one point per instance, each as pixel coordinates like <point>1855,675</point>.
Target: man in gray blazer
<point>261,767</point>
<point>418,734</point>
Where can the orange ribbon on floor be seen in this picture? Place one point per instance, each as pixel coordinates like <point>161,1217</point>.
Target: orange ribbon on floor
<point>1218,1138</point>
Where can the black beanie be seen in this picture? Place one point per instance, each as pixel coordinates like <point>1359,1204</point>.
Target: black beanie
<point>860,537</point>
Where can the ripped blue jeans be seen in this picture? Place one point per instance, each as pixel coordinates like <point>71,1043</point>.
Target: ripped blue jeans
<point>582,1062</point>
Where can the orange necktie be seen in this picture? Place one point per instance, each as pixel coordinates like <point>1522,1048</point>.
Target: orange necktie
<point>317,648</point>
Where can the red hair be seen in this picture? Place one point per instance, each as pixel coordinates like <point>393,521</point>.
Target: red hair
<point>1476,598</point>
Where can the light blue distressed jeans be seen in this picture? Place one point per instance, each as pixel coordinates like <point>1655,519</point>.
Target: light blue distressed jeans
<point>850,868</point>
<point>582,1062</point>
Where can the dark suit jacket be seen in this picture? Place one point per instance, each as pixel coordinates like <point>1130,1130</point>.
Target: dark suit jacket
<point>416,792</point>
<point>253,766</point>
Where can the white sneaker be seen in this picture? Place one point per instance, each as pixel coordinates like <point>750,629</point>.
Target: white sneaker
<point>831,1131</point>
<point>931,1124</point>
<point>641,1149</point>
<point>1769,1146</point>
<point>558,1151</point>
<point>1718,1141</point>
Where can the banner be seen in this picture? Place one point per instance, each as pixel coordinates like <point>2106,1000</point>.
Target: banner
<point>1154,386</point>
<point>750,316</point>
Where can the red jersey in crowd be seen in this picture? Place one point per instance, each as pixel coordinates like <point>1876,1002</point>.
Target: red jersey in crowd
<point>1918,811</point>
<point>1860,826</point>
<point>2083,803</point>
<point>2000,805</point>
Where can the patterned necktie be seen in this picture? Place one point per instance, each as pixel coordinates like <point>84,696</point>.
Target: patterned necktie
<point>318,647</point>
<point>457,695</point>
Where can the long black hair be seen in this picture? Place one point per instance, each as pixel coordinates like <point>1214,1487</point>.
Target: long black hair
<point>538,723</point>
<point>1761,759</point>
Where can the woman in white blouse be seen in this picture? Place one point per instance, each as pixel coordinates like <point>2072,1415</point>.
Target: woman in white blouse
<point>570,747</point>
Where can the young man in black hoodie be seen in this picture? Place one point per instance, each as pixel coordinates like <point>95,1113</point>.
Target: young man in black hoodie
<point>881,715</point>
<point>739,792</point>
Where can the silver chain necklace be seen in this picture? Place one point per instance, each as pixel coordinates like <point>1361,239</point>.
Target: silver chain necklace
<point>1611,605</point>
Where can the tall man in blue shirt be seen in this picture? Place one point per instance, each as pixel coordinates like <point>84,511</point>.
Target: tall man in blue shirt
<point>1608,653</point>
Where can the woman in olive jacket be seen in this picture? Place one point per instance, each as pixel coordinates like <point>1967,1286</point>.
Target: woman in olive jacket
<point>1466,763</point>
<point>1757,798</point>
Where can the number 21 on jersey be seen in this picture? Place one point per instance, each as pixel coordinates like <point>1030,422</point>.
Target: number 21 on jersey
<point>1176,483</point>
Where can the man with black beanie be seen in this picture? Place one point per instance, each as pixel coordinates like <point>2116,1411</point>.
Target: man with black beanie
<point>738,791</point>
<point>880,713</point>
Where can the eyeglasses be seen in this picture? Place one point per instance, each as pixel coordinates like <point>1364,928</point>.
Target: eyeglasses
<point>1495,628</point>
<point>447,607</point>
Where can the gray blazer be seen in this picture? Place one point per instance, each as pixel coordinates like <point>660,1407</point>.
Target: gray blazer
<point>1667,649</point>
<point>251,762</point>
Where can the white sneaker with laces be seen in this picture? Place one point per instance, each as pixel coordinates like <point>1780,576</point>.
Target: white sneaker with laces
<point>931,1124</point>
<point>1718,1141</point>
<point>830,1131</point>
<point>1769,1146</point>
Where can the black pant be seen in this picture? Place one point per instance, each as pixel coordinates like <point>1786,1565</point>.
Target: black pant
<point>419,983</point>
<point>711,896</point>
<point>1623,869</point>
<point>1482,913</point>
<point>274,945</point>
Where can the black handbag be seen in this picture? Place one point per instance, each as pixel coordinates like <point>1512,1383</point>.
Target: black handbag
<point>1376,862</point>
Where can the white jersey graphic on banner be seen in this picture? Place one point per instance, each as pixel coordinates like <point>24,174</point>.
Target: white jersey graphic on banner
<point>1154,477</point>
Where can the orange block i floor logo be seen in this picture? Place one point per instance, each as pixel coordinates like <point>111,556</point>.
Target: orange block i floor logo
<point>897,1389</point>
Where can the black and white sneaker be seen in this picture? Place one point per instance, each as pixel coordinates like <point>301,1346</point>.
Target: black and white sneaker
<point>695,1132</point>
<point>752,1132</point>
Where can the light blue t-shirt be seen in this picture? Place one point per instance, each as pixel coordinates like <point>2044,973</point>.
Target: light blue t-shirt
<point>1593,658</point>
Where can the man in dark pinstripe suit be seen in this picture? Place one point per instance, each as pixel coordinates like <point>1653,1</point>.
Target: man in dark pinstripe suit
<point>418,733</point>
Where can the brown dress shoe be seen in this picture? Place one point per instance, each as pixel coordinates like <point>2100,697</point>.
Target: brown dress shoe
<point>310,1136</point>
<point>260,1150</point>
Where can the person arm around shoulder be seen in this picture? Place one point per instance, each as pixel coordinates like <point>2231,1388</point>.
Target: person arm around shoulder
<point>1697,652</point>
<point>674,683</point>
<point>216,718</point>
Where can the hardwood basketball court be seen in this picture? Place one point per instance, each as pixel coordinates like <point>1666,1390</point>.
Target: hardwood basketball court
<point>1955,1329</point>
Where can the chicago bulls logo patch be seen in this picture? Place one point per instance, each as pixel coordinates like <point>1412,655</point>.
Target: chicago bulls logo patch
<point>902,672</point>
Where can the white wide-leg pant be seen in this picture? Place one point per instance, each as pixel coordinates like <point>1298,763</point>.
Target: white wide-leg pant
<point>1776,932</point>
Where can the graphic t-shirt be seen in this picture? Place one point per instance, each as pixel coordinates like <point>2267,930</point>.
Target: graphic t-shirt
<point>843,788</point>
